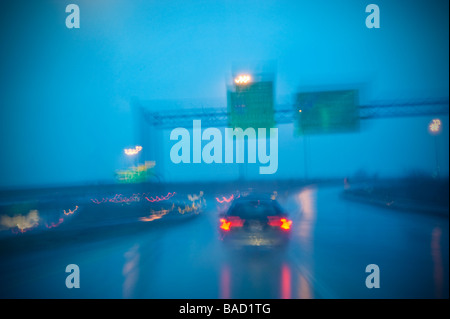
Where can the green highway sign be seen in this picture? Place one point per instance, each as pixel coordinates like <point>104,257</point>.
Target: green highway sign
<point>327,112</point>
<point>251,104</point>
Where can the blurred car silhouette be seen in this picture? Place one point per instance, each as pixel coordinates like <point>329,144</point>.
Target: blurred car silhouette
<point>255,221</point>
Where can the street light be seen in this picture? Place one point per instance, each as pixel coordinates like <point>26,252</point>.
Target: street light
<point>132,151</point>
<point>434,128</point>
<point>243,79</point>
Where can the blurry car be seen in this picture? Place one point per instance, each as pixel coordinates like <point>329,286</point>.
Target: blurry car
<point>256,221</point>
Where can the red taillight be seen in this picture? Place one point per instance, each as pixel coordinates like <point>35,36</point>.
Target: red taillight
<point>231,221</point>
<point>224,224</point>
<point>283,223</point>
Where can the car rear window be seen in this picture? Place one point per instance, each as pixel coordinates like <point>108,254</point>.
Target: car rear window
<point>255,209</point>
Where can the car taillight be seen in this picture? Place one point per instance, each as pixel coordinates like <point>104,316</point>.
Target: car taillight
<point>231,221</point>
<point>224,224</point>
<point>283,223</point>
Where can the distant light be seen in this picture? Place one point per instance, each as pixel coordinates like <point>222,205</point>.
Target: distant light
<point>53,224</point>
<point>243,79</point>
<point>158,199</point>
<point>21,223</point>
<point>224,199</point>
<point>157,214</point>
<point>70,212</point>
<point>132,151</point>
<point>194,197</point>
<point>435,126</point>
<point>118,198</point>
<point>299,111</point>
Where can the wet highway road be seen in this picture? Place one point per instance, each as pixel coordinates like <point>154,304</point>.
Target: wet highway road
<point>333,240</point>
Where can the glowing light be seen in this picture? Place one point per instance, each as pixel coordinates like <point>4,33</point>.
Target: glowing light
<point>194,197</point>
<point>96,201</point>
<point>299,111</point>
<point>307,205</point>
<point>157,214</point>
<point>231,221</point>
<point>197,204</point>
<point>307,202</point>
<point>305,288</point>
<point>285,282</point>
<point>435,126</point>
<point>164,211</point>
<point>286,224</point>
<point>53,225</point>
<point>236,221</point>
<point>225,282</point>
<point>119,198</point>
<point>21,222</point>
<point>242,79</point>
<point>189,208</point>
<point>224,199</point>
<point>61,220</point>
<point>225,225</point>
<point>132,151</point>
<point>70,212</point>
<point>275,221</point>
<point>274,195</point>
<point>158,199</point>
<point>151,217</point>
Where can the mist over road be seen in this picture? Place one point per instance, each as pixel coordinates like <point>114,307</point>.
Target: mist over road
<point>333,240</point>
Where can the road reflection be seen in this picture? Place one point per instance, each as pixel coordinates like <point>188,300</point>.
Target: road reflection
<point>273,272</point>
<point>187,260</point>
<point>306,200</point>
<point>438,269</point>
<point>304,288</point>
<point>225,282</point>
<point>130,271</point>
<point>285,281</point>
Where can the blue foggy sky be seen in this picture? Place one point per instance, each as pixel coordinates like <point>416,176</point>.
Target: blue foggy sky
<point>65,113</point>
